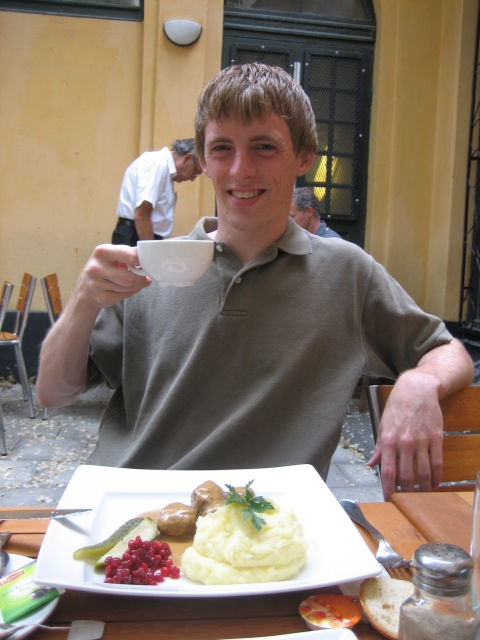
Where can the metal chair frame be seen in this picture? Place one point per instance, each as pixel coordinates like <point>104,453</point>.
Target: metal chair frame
<point>461,425</point>
<point>14,340</point>
<point>6,295</point>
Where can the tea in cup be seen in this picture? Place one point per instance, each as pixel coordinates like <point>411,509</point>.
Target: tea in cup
<point>177,262</point>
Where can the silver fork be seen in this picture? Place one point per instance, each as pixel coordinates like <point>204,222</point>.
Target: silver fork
<point>386,556</point>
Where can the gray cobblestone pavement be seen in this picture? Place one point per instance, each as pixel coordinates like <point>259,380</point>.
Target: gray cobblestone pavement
<point>43,454</point>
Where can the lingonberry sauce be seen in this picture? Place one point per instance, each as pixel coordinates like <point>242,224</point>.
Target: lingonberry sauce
<point>146,563</point>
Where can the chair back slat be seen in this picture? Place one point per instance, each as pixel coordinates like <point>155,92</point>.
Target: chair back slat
<point>6,295</point>
<point>461,424</point>
<point>24,288</point>
<point>53,299</point>
<point>461,457</point>
<point>383,393</point>
<point>24,303</point>
<point>461,410</point>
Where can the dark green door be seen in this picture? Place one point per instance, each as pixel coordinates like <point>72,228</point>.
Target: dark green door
<point>337,80</point>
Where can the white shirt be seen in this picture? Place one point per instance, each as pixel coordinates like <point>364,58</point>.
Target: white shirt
<point>150,178</point>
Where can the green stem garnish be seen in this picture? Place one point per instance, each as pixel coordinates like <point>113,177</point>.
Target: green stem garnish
<point>252,505</point>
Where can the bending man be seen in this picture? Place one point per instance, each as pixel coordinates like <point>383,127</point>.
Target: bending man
<point>147,196</point>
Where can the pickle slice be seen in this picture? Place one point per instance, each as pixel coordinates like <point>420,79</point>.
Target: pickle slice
<point>147,530</point>
<point>94,551</point>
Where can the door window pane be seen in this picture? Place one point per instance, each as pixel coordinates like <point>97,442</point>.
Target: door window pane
<point>272,58</point>
<point>354,9</point>
<point>343,138</point>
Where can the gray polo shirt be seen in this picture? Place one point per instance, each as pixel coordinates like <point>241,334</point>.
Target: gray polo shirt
<point>252,366</point>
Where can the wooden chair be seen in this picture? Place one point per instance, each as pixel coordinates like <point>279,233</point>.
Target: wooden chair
<point>461,425</point>
<point>53,300</point>
<point>15,338</point>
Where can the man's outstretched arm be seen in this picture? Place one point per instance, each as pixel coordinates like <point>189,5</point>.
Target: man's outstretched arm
<point>411,427</point>
<point>104,281</point>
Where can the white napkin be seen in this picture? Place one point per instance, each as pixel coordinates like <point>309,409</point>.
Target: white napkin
<point>86,630</point>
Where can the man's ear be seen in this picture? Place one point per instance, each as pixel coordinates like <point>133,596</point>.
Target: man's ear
<point>310,212</point>
<point>304,162</point>
<point>203,164</point>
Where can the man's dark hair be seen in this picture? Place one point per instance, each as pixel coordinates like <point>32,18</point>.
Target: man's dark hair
<point>303,197</point>
<point>182,147</point>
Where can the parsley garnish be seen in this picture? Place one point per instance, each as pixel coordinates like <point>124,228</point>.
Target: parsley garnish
<point>252,505</point>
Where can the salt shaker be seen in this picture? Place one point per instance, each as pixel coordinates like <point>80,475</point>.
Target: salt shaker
<point>439,608</point>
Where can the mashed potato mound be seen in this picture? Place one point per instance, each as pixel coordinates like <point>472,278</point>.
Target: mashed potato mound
<point>229,550</point>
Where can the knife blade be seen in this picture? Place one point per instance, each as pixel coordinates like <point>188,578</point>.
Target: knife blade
<point>39,514</point>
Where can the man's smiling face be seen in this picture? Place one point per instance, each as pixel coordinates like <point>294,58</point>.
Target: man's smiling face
<point>253,168</point>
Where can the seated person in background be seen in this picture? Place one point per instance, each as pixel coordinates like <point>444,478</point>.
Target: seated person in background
<point>305,210</point>
<point>255,364</point>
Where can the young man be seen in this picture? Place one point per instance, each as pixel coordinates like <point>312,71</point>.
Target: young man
<point>147,196</point>
<point>305,210</point>
<point>255,364</point>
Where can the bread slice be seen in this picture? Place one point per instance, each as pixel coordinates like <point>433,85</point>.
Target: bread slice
<point>381,599</point>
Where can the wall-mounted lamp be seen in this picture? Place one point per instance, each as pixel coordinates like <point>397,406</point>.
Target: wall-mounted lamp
<point>182,32</point>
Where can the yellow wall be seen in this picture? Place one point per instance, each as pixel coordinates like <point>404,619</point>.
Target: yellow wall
<point>424,58</point>
<point>81,98</point>
<point>70,98</point>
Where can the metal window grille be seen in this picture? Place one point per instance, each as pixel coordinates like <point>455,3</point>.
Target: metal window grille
<point>334,88</point>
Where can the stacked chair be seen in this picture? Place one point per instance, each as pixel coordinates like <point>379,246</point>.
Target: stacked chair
<point>6,295</point>
<point>53,300</point>
<point>14,339</point>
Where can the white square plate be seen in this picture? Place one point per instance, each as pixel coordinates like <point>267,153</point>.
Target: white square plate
<point>336,553</point>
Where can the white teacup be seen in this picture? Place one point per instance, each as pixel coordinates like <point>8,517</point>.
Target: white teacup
<point>177,262</point>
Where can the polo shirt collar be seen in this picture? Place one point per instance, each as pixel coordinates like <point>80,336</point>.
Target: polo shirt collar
<point>171,163</point>
<point>295,239</point>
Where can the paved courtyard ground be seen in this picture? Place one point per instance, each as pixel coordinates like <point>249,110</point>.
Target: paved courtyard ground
<point>43,454</point>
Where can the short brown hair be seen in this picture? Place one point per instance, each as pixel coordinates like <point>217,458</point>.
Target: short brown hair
<point>251,91</point>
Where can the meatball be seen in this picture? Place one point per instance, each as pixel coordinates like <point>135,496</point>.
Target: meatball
<point>205,494</point>
<point>176,520</point>
<point>213,506</point>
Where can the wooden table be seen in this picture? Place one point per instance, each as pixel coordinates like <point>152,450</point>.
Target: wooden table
<point>407,521</point>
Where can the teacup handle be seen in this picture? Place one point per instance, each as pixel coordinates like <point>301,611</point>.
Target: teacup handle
<point>138,270</point>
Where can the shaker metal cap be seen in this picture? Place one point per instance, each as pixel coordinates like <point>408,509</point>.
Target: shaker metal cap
<point>442,569</point>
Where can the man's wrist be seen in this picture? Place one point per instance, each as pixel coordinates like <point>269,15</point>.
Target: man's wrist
<point>417,379</point>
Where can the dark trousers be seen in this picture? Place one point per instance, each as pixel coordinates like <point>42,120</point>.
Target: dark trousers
<point>125,233</point>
